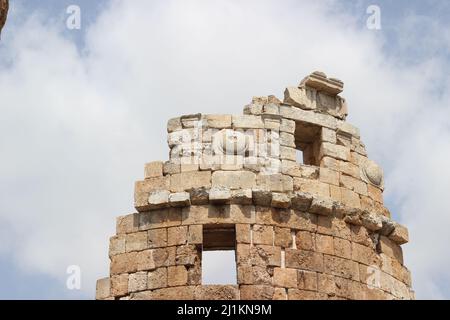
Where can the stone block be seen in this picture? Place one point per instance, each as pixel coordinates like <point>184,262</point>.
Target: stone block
<point>218,121</point>
<point>307,260</point>
<point>281,200</point>
<point>123,263</point>
<point>322,206</point>
<point>313,187</point>
<point>334,151</point>
<point>159,218</point>
<point>199,196</point>
<point>365,255</point>
<point>177,276</point>
<point>136,241</point>
<point>262,197</point>
<point>220,195</point>
<point>116,245</point>
<point>234,179</point>
<point>177,235</point>
<point>127,224</point>
<point>158,199</point>
<point>256,292</point>
<point>349,169</point>
<point>216,292</point>
<point>142,190</point>
<point>328,135</point>
<point>341,267</point>
<point>242,196</point>
<point>371,221</point>
<point>287,126</point>
<point>308,116</point>
<point>288,153</point>
<point>174,124</point>
<point>157,238</point>
<point>390,248</point>
<point>275,182</point>
<point>157,278</point>
<point>329,176</point>
<point>187,180</point>
<point>283,237</point>
<point>301,201</point>
<point>195,234</point>
<point>137,281</point>
<point>180,199</point>
<point>297,294</point>
<point>307,280</point>
<point>375,193</point>
<point>350,198</point>
<point>399,235</point>
<point>300,97</point>
<point>353,184</point>
<point>305,240</point>
<point>342,248</point>
<point>324,244</point>
<point>119,285</point>
<point>103,289</point>
<point>285,277</point>
<point>287,140</point>
<point>171,167</point>
<point>247,122</point>
<point>153,169</point>
<point>262,234</point>
<point>243,233</point>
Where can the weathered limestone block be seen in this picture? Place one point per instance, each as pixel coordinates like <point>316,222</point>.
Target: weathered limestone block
<point>287,125</point>
<point>195,234</point>
<point>243,196</point>
<point>216,292</point>
<point>218,121</point>
<point>342,248</point>
<point>119,285</point>
<point>256,292</point>
<point>319,81</point>
<point>262,197</point>
<point>234,179</point>
<point>174,124</point>
<point>287,140</point>
<point>288,153</point>
<point>262,234</point>
<point>400,234</point>
<point>307,260</point>
<point>153,169</point>
<point>308,116</point>
<point>329,176</point>
<point>301,201</point>
<point>353,184</point>
<point>304,98</point>
<point>158,199</point>
<point>334,151</point>
<point>188,180</point>
<point>136,241</point>
<point>324,244</point>
<point>176,235</point>
<point>341,267</point>
<point>296,294</point>
<point>220,195</point>
<point>103,289</point>
<point>157,278</point>
<point>285,277</point>
<point>313,187</point>
<point>180,199</point>
<point>247,122</point>
<point>177,276</point>
<point>199,196</point>
<point>322,206</point>
<point>283,237</point>
<point>116,245</point>
<point>305,240</point>
<point>157,238</point>
<point>281,200</point>
<point>171,167</point>
<point>371,221</point>
<point>390,248</point>
<point>275,182</point>
<point>142,190</point>
<point>137,281</point>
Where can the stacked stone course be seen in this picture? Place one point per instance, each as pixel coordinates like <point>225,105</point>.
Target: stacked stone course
<point>311,230</point>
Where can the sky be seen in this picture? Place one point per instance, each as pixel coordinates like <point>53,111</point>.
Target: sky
<point>82,110</point>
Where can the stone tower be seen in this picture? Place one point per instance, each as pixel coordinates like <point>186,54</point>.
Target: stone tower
<point>288,186</point>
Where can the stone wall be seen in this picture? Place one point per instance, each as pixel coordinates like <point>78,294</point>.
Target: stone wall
<point>311,230</point>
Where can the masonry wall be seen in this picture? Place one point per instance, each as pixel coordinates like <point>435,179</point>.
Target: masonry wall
<point>311,230</point>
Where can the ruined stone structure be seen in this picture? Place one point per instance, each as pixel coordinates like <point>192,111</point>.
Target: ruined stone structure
<point>311,228</point>
<point>4,6</point>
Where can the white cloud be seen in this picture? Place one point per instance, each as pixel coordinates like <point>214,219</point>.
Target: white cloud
<point>77,128</point>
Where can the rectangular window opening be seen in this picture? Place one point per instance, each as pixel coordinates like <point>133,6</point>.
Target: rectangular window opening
<point>219,255</point>
<point>307,142</point>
